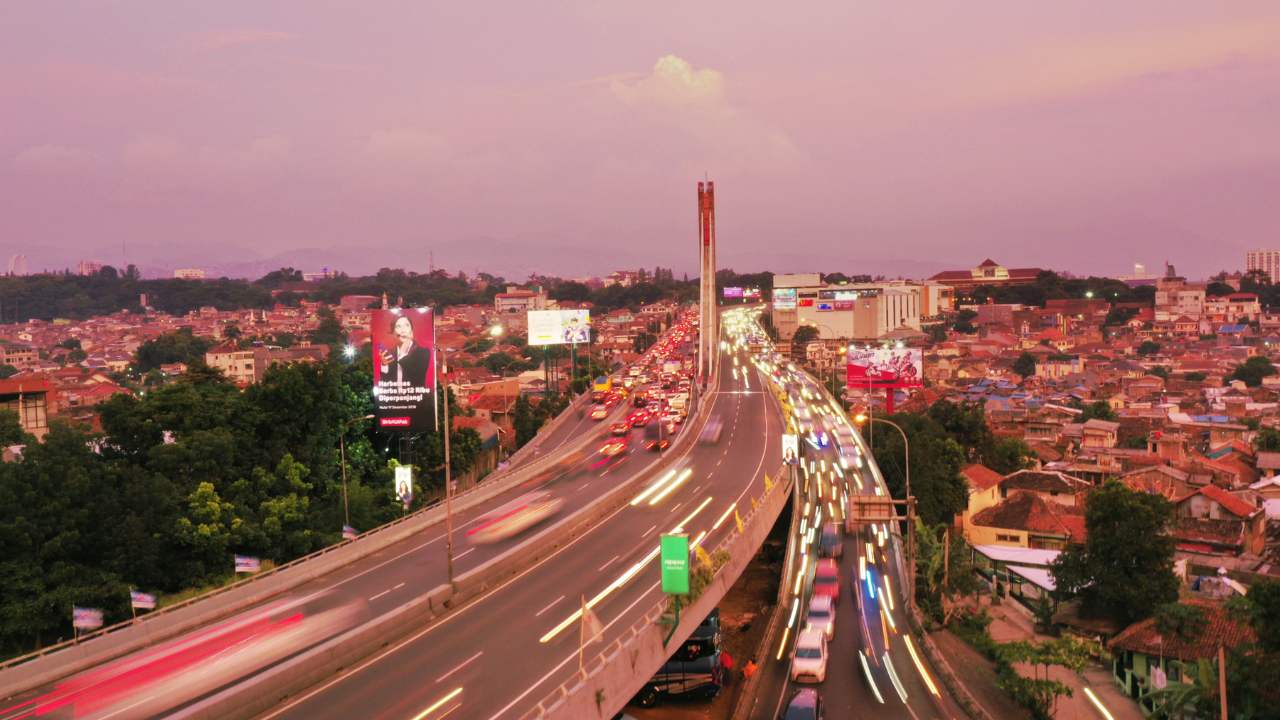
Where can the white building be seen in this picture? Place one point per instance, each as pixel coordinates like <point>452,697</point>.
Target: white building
<point>189,273</point>
<point>18,265</point>
<point>1267,261</point>
<point>854,311</point>
<point>89,267</point>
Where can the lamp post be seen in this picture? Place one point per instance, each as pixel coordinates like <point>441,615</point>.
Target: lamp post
<point>448,487</point>
<point>911,531</point>
<point>342,442</point>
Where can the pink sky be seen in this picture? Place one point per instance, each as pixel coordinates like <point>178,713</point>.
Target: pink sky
<point>881,137</point>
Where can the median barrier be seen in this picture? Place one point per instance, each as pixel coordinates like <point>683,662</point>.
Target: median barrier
<point>266,689</point>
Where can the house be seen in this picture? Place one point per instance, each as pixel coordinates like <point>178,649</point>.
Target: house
<point>1099,433</point>
<point>984,489</point>
<point>1162,479</point>
<point>31,399</point>
<point>1027,519</point>
<point>1139,651</point>
<point>1050,484</point>
<point>1212,520</point>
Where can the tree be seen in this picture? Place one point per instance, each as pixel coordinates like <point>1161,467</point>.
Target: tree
<point>171,348</point>
<point>1009,455</point>
<point>1025,365</point>
<point>1253,370</point>
<point>7,371</point>
<point>936,460</point>
<point>330,332</point>
<point>1194,377</point>
<point>1100,410</point>
<point>1160,371</point>
<point>1125,568</point>
<point>231,331</point>
<point>941,580</point>
<point>804,335</point>
<point>1264,613</point>
<point>1039,693</point>
<point>1267,440</point>
<point>523,421</point>
<point>1148,347</point>
<point>77,355</point>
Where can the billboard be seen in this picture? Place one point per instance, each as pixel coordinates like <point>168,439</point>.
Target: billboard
<point>675,564</point>
<point>790,449</point>
<point>784,298</point>
<point>559,327</point>
<point>751,292</point>
<point>404,484</point>
<point>825,306</point>
<point>404,369</point>
<point>733,292</point>
<point>885,367</point>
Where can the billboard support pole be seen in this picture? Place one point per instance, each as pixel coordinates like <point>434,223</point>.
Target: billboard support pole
<point>448,488</point>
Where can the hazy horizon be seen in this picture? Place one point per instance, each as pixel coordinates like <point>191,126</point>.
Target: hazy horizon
<point>568,139</point>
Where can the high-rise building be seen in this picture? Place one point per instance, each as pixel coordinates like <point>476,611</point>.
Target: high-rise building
<point>1267,261</point>
<point>89,267</point>
<point>18,265</point>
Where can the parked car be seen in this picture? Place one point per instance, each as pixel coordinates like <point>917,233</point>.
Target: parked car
<point>809,658</point>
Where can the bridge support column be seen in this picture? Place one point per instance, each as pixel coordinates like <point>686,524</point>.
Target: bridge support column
<point>709,335</point>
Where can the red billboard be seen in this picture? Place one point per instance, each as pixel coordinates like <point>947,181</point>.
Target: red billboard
<point>885,367</point>
<point>404,369</point>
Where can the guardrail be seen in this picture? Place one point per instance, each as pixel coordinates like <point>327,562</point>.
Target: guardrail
<point>108,643</point>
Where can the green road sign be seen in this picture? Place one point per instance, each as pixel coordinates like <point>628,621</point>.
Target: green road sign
<point>675,564</point>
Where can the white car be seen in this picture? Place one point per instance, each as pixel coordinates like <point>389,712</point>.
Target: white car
<point>809,658</point>
<point>822,615</point>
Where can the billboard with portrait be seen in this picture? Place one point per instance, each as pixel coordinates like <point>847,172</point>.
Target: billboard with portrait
<point>885,367</point>
<point>751,292</point>
<point>733,292</point>
<point>784,298</point>
<point>559,327</point>
<point>404,369</point>
<point>790,449</point>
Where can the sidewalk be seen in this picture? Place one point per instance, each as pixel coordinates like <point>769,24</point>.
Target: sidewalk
<point>1009,624</point>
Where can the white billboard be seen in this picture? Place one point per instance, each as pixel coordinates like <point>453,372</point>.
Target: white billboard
<point>559,327</point>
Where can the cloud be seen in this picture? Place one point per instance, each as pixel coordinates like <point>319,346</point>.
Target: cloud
<point>409,145</point>
<point>162,163</point>
<point>675,84</point>
<point>57,159</point>
<point>212,40</point>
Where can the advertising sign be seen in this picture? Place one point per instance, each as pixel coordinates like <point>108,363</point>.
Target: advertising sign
<point>675,564</point>
<point>404,369</point>
<point>559,327</point>
<point>404,484</point>
<point>791,449</point>
<point>825,306</point>
<point>885,367</point>
<point>844,304</point>
<point>784,298</point>
<point>733,292</point>
<point>807,302</point>
<point>751,292</point>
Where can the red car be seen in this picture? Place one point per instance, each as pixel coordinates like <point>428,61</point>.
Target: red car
<point>639,419</point>
<point>826,581</point>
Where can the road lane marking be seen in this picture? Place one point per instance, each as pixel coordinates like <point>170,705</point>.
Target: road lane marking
<point>375,597</point>
<point>464,664</point>
<point>435,707</point>
<point>646,532</point>
<point>459,555</point>
<point>602,567</point>
<point>398,586</point>
<point>553,603</point>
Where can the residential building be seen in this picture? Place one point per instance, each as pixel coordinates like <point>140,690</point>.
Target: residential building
<point>248,365</point>
<point>517,301</point>
<point>31,399</point>
<point>89,267</point>
<point>1176,299</point>
<point>1140,650</point>
<point>1268,261</point>
<point>1213,521</point>
<point>19,355</point>
<point>189,273</point>
<point>1027,519</point>
<point>357,303</point>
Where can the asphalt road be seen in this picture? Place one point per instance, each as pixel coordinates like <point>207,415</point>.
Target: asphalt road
<point>488,659</point>
<point>871,669</point>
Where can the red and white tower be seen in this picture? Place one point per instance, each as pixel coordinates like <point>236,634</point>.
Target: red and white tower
<point>709,337</point>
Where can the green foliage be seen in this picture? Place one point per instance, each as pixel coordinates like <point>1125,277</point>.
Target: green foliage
<point>329,332</point>
<point>1148,347</point>
<point>1025,365</point>
<point>526,426</point>
<point>7,371</point>
<point>936,459</point>
<point>804,335</point>
<point>1252,371</point>
<point>1264,613</point>
<point>171,348</point>
<point>1267,440</point>
<point>1009,455</point>
<point>1038,693</point>
<point>1184,620</point>
<point>941,580</point>
<point>700,576</point>
<point>1160,371</point>
<point>1194,377</point>
<point>1100,410</point>
<point>1126,566</point>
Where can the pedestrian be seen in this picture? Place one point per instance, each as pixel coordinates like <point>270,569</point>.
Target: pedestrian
<point>726,667</point>
<point>750,668</point>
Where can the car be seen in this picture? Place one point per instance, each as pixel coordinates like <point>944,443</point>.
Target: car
<point>599,412</point>
<point>515,516</point>
<point>614,447</point>
<point>657,445</point>
<point>826,579</point>
<point>639,418</point>
<point>809,658</point>
<point>822,615</point>
<point>621,428</point>
<point>711,431</point>
<point>832,542</point>
<point>806,704</point>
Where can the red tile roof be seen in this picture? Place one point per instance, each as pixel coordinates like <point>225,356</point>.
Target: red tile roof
<point>1219,628</point>
<point>1229,502</point>
<point>980,476</point>
<point>1028,511</point>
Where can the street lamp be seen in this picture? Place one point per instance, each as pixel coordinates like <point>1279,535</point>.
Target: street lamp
<point>906,452</point>
<point>342,441</point>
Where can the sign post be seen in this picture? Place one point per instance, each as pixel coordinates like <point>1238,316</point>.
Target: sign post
<point>675,573</point>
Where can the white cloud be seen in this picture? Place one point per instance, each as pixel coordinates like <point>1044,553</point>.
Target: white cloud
<point>57,159</point>
<point>675,84</point>
<point>410,146</point>
<point>163,162</point>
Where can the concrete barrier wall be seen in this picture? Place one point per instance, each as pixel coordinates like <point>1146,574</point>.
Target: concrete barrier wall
<point>611,679</point>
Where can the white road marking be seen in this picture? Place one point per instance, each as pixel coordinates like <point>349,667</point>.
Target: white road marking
<point>615,557</point>
<point>398,586</point>
<point>464,664</point>
<point>375,597</point>
<point>459,555</point>
<point>553,603</point>
<point>646,532</point>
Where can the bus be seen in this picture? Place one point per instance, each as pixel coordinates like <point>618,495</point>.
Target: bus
<point>603,384</point>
